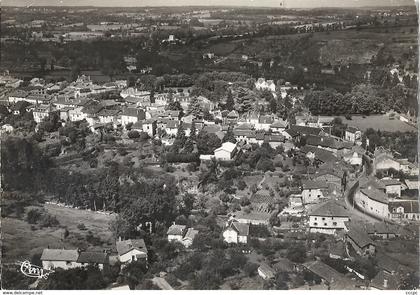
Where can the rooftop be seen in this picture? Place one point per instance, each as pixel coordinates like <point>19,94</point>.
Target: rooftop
<point>128,245</point>
<point>176,229</point>
<point>331,209</point>
<point>59,255</point>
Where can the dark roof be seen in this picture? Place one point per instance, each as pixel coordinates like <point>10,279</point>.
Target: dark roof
<point>265,120</point>
<point>59,255</point>
<point>324,271</point>
<point>310,184</point>
<point>128,245</point>
<point>133,112</point>
<point>105,112</point>
<point>92,109</point>
<point>176,229</point>
<point>172,124</point>
<point>375,194</point>
<point>378,281</point>
<point>305,130</point>
<point>352,129</point>
<point>331,208</point>
<point>283,265</point>
<point>279,124</point>
<point>20,105</point>
<point>392,181</point>
<point>93,257</point>
<point>410,206</point>
<point>241,228</point>
<point>360,237</point>
<point>320,154</point>
<point>326,141</point>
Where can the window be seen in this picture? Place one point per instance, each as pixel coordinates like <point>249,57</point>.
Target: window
<point>68,262</point>
<point>323,218</point>
<point>335,223</point>
<point>325,224</point>
<point>319,196</point>
<point>315,218</point>
<point>315,223</point>
<point>133,258</point>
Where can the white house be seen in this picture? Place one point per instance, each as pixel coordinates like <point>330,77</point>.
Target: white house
<point>328,218</point>
<point>262,84</point>
<point>131,250</point>
<point>404,210</point>
<point>132,115</point>
<point>279,126</point>
<point>41,112</point>
<point>176,232</point>
<point>313,191</point>
<point>225,152</point>
<point>59,258</point>
<point>266,272</point>
<point>392,187</point>
<point>372,201</point>
<point>236,233</point>
<point>188,239</point>
<point>353,134</point>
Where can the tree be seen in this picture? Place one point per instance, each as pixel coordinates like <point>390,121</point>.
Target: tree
<point>207,142</point>
<point>133,273</point>
<point>133,134</point>
<point>230,103</point>
<point>250,269</point>
<point>229,136</point>
<point>33,216</point>
<point>193,132</point>
<point>180,139</point>
<point>297,253</point>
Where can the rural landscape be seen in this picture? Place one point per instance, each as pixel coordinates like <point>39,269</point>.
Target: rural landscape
<point>209,148</point>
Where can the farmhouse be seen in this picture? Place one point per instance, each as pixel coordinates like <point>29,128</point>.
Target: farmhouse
<point>225,152</point>
<point>59,258</point>
<point>328,218</point>
<point>131,250</point>
<point>99,259</point>
<point>176,232</point>
<point>236,233</point>
<point>353,134</point>
<point>360,241</point>
<point>313,191</point>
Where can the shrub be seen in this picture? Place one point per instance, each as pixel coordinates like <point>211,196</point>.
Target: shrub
<point>33,216</point>
<point>133,134</point>
<point>250,269</point>
<point>81,226</point>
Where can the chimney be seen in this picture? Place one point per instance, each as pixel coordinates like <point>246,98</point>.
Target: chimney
<point>385,283</point>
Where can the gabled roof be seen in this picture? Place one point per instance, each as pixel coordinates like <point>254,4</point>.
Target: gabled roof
<point>59,255</point>
<point>410,206</point>
<point>311,184</point>
<point>279,124</point>
<point>360,237</point>
<point>324,271</point>
<point>378,281</point>
<point>283,265</point>
<point>226,146</point>
<point>352,129</point>
<point>93,257</point>
<point>176,229</point>
<point>191,233</point>
<point>375,194</point>
<point>241,228</point>
<point>128,245</point>
<point>133,112</point>
<point>305,130</point>
<point>233,114</point>
<point>320,154</point>
<point>330,209</point>
<point>266,269</point>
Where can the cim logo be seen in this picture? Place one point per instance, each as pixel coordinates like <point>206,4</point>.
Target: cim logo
<point>34,271</point>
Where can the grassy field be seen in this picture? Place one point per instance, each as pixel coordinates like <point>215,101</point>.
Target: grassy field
<point>376,122</point>
<point>21,242</point>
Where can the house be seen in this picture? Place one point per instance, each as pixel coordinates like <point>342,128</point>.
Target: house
<point>225,152</point>
<point>20,107</point>
<point>354,156</point>
<point>264,123</point>
<point>253,217</point>
<point>384,160</point>
<point>59,258</point>
<point>328,143</point>
<point>236,233</point>
<point>132,115</point>
<point>327,274</point>
<point>372,201</point>
<point>384,281</point>
<point>149,126</point>
<point>131,250</point>
<point>305,130</point>
<point>404,210</point>
<point>317,154</point>
<point>262,84</point>
<point>328,218</point>
<point>332,177</point>
<point>353,134</point>
<point>279,126</point>
<point>99,259</point>
<point>188,239</point>
<point>171,127</point>
<point>382,230</point>
<point>266,272</point>
<point>392,187</point>
<point>407,167</point>
<point>176,232</point>
<point>337,250</point>
<point>232,117</point>
<point>108,116</point>
<point>313,191</point>
<point>42,112</point>
<point>360,241</point>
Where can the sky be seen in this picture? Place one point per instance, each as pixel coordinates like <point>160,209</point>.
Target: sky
<point>261,3</point>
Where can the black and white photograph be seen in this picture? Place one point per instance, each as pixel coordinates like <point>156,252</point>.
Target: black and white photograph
<point>209,145</point>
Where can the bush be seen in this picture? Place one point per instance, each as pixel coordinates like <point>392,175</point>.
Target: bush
<point>48,220</point>
<point>81,226</point>
<point>33,216</point>
<point>250,269</point>
<point>133,134</point>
